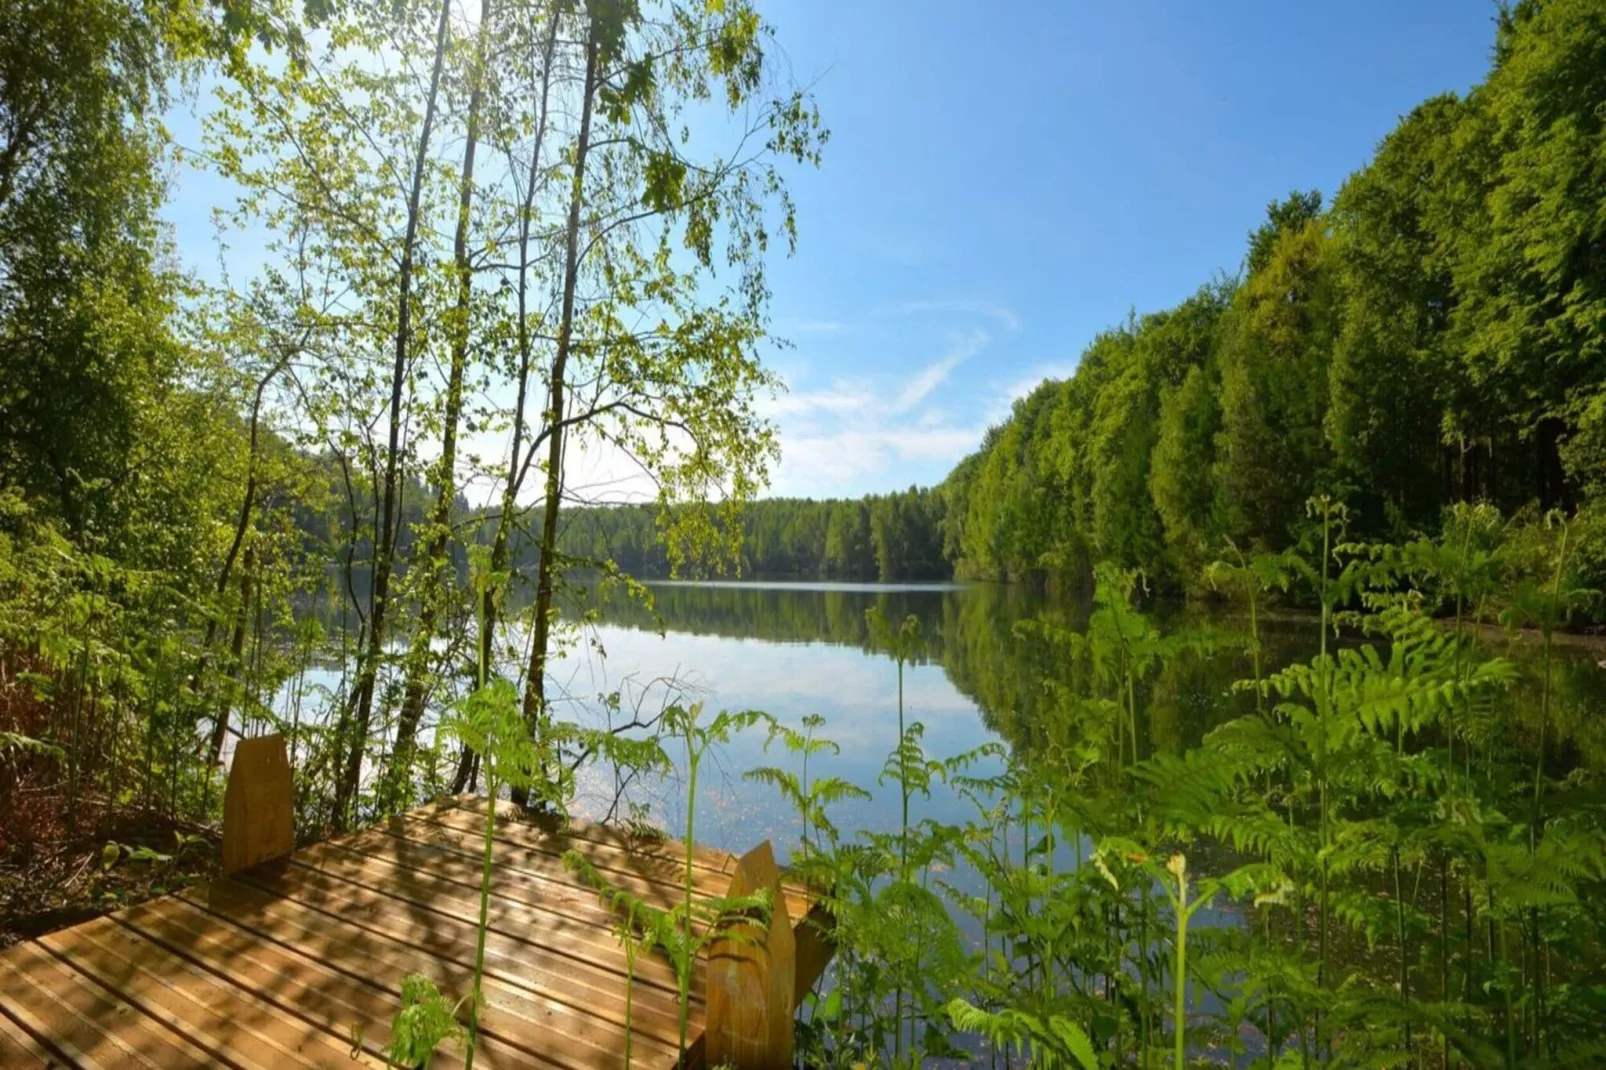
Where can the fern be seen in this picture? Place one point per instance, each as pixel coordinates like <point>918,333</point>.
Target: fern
<point>1052,1041</point>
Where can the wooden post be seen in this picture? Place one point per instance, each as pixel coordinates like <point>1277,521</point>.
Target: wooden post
<point>258,818</point>
<point>815,944</point>
<point>752,977</point>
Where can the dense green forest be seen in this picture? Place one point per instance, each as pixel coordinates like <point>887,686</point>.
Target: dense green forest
<point>1435,334</point>
<point>894,536</point>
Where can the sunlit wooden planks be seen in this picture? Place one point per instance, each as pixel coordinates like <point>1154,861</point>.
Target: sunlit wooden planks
<point>513,1014</point>
<point>64,1011</point>
<point>19,1050</point>
<point>652,868</point>
<point>299,962</point>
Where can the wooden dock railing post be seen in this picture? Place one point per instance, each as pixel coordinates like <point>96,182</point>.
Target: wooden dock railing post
<point>752,977</point>
<point>258,818</point>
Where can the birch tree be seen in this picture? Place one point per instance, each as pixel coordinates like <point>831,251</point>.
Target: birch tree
<point>651,358</point>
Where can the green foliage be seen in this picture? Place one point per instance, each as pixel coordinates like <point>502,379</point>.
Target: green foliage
<point>894,536</point>
<point>1053,1043</point>
<point>425,1021</point>
<point>1377,842</point>
<point>809,798</point>
<point>1428,340</point>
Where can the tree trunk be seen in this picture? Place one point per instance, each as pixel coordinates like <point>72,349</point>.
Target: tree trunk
<point>241,526</point>
<point>535,712</point>
<point>436,561</point>
<point>385,542</point>
<point>220,726</point>
<point>516,468</point>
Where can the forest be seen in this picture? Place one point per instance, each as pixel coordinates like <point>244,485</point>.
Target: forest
<point>495,247</point>
<point>1432,335</point>
<point>895,536</point>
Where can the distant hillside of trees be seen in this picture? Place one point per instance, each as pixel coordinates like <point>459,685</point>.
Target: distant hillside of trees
<point>880,537</point>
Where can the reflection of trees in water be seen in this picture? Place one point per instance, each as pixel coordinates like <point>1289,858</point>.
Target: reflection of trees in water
<point>779,614</point>
<point>972,633</point>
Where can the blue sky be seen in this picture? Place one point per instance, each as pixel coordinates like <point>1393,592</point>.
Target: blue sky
<point>1005,180</point>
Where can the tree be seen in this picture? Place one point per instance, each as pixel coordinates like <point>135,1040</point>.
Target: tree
<point>436,562</point>
<point>285,134</point>
<point>847,539</point>
<point>1184,447</point>
<point>1532,283</point>
<point>1271,450</point>
<point>86,305</point>
<point>649,222</point>
<point>1392,372</point>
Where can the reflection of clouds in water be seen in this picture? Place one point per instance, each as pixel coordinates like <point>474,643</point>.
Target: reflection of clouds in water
<point>853,690</point>
<point>856,693</point>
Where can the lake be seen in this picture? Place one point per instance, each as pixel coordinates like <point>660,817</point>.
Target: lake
<point>796,648</point>
<point>792,649</point>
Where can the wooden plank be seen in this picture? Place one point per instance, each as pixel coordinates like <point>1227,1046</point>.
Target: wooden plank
<point>660,863</point>
<point>453,873</point>
<point>558,890</point>
<point>576,830</point>
<point>339,1005</point>
<point>571,914</point>
<point>258,813</point>
<point>88,1025</point>
<point>350,883</point>
<point>816,933</point>
<point>211,1012</point>
<point>443,930</point>
<point>301,964</point>
<point>752,967</point>
<point>541,852</point>
<point>20,1051</point>
<point>444,948</point>
<point>548,1029</point>
<point>652,886</point>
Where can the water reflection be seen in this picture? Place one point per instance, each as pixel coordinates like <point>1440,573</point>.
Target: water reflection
<point>792,649</point>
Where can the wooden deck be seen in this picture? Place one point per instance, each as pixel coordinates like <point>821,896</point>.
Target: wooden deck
<point>298,962</point>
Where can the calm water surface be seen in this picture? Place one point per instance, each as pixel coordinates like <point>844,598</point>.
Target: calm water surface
<point>792,649</point>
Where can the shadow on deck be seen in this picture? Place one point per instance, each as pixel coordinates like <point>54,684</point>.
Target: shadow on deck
<point>296,959</point>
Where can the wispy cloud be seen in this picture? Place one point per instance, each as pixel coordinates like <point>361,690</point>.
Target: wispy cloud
<point>1031,380</point>
<point>828,465</point>
<point>840,398</point>
<point>932,375</point>
<point>883,425</point>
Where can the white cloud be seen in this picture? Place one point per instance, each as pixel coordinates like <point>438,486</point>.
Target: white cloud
<point>840,398</point>
<point>932,375</point>
<point>593,471</point>
<point>1031,380</point>
<point>879,431</point>
<point>837,463</point>
<point>872,429</point>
